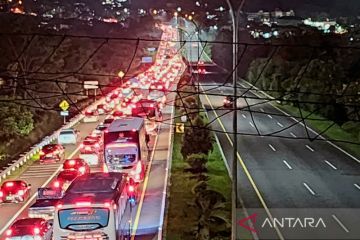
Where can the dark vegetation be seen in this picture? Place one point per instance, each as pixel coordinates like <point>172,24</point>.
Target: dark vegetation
<point>200,199</point>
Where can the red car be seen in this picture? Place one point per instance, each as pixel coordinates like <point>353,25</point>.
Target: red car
<point>77,164</point>
<point>65,178</point>
<point>90,145</point>
<point>103,109</point>
<point>52,153</point>
<point>14,191</point>
<point>30,228</point>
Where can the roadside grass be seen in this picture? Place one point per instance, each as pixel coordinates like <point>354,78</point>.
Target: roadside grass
<point>180,219</point>
<point>15,174</point>
<point>333,133</point>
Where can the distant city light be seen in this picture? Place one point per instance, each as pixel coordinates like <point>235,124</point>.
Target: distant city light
<point>197,3</point>
<point>155,12</point>
<point>215,27</point>
<point>190,17</point>
<point>179,9</point>
<point>276,33</point>
<point>221,8</point>
<point>126,10</point>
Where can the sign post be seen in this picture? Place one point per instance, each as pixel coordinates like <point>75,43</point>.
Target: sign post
<point>91,85</point>
<point>64,106</point>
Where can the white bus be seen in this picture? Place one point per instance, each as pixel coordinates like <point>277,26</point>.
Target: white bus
<point>93,207</point>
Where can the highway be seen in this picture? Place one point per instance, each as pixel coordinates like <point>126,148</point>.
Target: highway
<point>147,216</point>
<point>280,172</point>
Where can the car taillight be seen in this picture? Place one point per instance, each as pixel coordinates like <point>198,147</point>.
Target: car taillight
<point>42,153</point>
<point>81,145</point>
<point>56,184</point>
<point>72,162</point>
<point>131,188</point>
<point>8,232</point>
<point>21,192</point>
<point>59,205</point>
<point>97,145</point>
<point>1,194</point>
<point>107,204</point>
<point>82,170</point>
<point>160,87</point>
<point>36,230</point>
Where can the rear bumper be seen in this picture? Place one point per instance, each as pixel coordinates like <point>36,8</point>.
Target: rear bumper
<point>91,159</point>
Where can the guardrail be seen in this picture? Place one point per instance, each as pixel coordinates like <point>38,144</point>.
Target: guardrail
<point>47,140</point>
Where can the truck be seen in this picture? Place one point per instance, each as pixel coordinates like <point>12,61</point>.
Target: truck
<point>44,206</point>
<point>126,147</point>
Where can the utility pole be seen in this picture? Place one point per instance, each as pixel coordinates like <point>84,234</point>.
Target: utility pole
<point>235,28</point>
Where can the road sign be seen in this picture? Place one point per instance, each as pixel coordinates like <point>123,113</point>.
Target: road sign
<point>91,84</point>
<point>179,127</point>
<point>64,113</point>
<point>64,105</point>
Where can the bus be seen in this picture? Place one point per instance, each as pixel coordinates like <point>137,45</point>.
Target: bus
<point>149,110</point>
<point>93,207</point>
<point>126,147</point>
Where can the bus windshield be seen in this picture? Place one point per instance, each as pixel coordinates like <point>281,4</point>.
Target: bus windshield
<point>83,219</point>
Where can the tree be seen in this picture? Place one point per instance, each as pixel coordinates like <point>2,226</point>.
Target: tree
<point>197,138</point>
<point>197,162</point>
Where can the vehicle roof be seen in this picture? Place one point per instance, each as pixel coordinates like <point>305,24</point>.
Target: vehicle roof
<point>28,221</point>
<point>126,124</point>
<point>68,130</point>
<point>77,190</point>
<point>14,181</point>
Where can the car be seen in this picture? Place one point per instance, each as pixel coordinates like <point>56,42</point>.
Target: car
<point>228,101</point>
<point>52,153</point>
<point>46,202</point>
<point>68,136</point>
<point>102,109</point>
<point>64,179</point>
<point>30,228</point>
<point>158,96</point>
<point>90,145</point>
<point>118,113</point>
<point>91,116</point>
<point>14,191</point>
<point>76,164</point>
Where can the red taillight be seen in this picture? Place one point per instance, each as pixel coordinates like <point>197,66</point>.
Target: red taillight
<point>83,204</point>
<point>160,87</point>
<point>97,145</point>
<point>1,194</point>
<point>36,230</point>
<point>21,192</point>
<point>42,153</point>
<point>131,188</point>
<point>72,162</point>
<point>81,145</point>
<point>107,204</point>
<point>56,184</point>
<point>8,232</point>
<point>58,206</point>
<point>134,130</point>
<point>9,184</point>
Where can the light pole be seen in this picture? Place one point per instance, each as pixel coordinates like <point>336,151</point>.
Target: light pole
<point>235,28</point>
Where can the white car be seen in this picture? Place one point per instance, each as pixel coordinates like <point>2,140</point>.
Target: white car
<point>158,96</point>
<point>91,116</point>
<point>68,136</point>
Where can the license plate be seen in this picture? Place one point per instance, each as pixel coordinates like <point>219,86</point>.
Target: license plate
<point>8,198</point>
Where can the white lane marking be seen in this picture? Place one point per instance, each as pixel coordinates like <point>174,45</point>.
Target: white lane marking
<point>308,188</point>
<point>40,170</point>
<point>308,147</point>
<point>280,124</point>
<point>302,124</point>
<point>271,146</point>
<point>261,109</point>
<point>34,176</point>
<point>357,186</point>
<point>340,223</point>
<point>243,115</point>
<point>34,196</point>
<point>251,124</point>
<point>287,164</point>
<point>292,134</point>
<point>330,164</point>
<point>269,116</point>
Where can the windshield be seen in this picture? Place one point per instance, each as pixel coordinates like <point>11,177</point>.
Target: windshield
<point>122,158</point>
<point>66,132</point>
<point>82,219</point>
<point>85,185</point>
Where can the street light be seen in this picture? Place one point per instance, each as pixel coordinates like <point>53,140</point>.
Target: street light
<point>178,9</point>
<point>121,74</point>
<point>235,28</point>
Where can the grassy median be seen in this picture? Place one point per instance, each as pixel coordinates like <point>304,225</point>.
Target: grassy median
<point>181,219</point>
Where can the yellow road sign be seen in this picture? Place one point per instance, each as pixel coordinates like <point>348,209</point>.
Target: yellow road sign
<point>64,105</point>
<point>179,127</point>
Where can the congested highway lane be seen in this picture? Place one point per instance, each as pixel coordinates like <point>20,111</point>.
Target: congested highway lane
<point>40,175</point>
